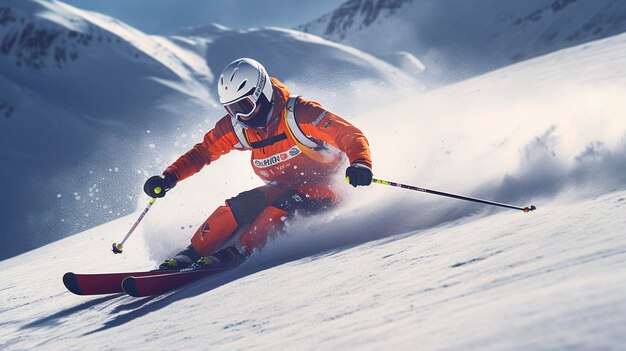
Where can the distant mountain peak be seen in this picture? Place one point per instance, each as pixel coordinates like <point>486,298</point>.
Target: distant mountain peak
<point>353,15</point>
<point>43,39</point>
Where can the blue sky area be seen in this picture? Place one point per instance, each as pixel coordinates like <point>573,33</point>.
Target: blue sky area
<point>166,16</point>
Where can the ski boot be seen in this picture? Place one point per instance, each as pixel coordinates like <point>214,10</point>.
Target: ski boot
<point>183,259</point>
<point>226,258</point>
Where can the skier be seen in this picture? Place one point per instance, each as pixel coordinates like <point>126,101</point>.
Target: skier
<point>297,148</point>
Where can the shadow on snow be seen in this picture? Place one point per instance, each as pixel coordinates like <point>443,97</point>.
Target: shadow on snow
<point>53,318</point>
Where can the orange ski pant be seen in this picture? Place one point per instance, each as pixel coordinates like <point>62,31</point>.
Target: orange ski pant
<point>256,214</point>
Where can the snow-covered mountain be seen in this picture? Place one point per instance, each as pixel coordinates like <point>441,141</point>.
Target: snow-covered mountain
<point>455,275</point>
<point>79,92</point>
<point>91,106</point>
<point>458,39</point>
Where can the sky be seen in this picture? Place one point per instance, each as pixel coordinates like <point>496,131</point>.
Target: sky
<point>166,16</point>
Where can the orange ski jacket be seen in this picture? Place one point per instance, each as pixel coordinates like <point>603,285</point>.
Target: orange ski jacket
<point>278,154</point>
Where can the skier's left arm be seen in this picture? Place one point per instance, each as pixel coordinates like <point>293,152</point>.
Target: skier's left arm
<point>331,129</point>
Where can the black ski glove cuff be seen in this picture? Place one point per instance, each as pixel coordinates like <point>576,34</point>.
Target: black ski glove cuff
<point>359,174</point>
<point>165,182</point>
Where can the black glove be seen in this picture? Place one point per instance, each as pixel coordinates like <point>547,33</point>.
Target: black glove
<point>165,181</point>
<point>358,174</point>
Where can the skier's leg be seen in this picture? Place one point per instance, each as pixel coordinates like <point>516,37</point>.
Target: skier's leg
<point>270,221</point>
<point>226,220</point>
<point>307,199</point>
<point>222,224</point>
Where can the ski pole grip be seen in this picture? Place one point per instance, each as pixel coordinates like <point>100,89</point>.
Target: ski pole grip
<point>158,190</point>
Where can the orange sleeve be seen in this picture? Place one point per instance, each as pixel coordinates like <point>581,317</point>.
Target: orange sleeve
<point>329,128</point>
<point>217,142</point>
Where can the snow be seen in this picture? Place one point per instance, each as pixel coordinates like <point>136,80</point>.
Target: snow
<point>391,268</point>
<point>547,280</point>
<point>407,62</point>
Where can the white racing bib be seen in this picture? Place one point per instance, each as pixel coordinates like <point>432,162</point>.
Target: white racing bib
<point>278,158</point>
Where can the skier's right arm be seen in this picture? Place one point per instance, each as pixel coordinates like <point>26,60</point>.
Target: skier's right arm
<point>217,142</point>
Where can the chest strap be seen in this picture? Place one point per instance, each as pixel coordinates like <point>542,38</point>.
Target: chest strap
<point>292,126</point>
<point>240,132</point>
<point>269,141</point>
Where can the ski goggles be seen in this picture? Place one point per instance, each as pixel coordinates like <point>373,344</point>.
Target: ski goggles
<point>242,108</point>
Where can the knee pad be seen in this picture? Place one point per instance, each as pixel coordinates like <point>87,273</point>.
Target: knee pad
<point>247,205</point>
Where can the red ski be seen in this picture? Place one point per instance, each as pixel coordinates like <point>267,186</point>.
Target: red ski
<point>139,286</point>
<point>103,283</point>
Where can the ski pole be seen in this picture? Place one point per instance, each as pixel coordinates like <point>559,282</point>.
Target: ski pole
<point>117,248</point>
<point>460,197</point>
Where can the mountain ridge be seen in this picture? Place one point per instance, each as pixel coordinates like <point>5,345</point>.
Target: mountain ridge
<point>458,40</point>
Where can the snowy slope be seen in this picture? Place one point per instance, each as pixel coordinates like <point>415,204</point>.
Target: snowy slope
<point>92,106</point>
<point>456,276</point>
<point>457,39</point>
<point>550,280</point>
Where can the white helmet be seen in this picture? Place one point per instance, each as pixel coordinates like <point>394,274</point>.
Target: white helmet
<point>243,86</point>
